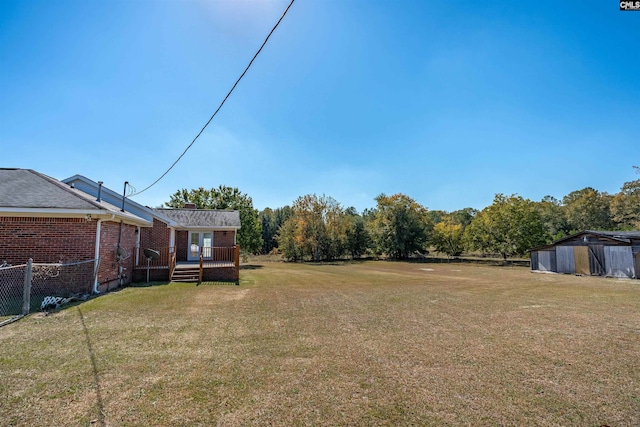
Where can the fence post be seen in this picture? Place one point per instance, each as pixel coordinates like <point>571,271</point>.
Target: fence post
<point>26,294</point>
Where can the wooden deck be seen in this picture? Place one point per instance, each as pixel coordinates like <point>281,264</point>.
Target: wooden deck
<point>221,257</point>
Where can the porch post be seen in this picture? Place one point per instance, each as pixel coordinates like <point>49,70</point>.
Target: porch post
<point>236,260</point>
<point>172,265</point>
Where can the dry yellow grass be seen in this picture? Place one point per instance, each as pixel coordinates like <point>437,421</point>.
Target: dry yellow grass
<point>370,343</point>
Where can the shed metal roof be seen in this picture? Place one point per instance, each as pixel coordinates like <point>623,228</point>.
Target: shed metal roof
<point>620,236</point>
<point>616,234</point>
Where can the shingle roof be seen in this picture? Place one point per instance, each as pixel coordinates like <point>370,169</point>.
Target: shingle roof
<point>28,189</point>
<point>25,188</point>
<point>203,218</point>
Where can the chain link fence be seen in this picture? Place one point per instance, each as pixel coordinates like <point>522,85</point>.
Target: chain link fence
<point>11,290</point>
<point>24,288</point>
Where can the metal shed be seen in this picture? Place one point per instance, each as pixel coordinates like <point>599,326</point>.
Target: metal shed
<point>596,253</point>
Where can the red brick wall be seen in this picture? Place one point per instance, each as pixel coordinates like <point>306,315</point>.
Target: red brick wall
<point>156,237</point>
<point>182,243</point>
<point>46,239</point>
<point>223,238</point>
<point>61,280</point>
<point>109,266</point>
<point>155,274</point>
<point>51,240</point>
<point>226,274</point>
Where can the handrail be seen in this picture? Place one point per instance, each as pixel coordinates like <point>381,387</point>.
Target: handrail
<point>172,265</point>
<point>200,275</point>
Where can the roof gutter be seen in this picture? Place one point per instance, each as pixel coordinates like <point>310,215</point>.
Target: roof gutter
<point>74,213</point>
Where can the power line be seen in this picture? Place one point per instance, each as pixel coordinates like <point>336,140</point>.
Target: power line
<point>221,104</point>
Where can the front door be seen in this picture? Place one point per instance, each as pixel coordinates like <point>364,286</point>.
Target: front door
<point>200,242</point>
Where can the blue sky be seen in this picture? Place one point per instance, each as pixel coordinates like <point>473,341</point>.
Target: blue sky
<point>448,102</point>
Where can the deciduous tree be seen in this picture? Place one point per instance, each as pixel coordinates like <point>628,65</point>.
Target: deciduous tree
<point>447,237</point>
<point>315,230</point>
<point>290,240</point>
<point>625,206</point>
<point>463,216</point>
<point>510,226</point>
<point>358,240</point>
<point>554,219</point>
<point>400,226</point>
<point>588,209</point>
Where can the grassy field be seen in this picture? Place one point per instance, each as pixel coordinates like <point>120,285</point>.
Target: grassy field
<point>358,344</point>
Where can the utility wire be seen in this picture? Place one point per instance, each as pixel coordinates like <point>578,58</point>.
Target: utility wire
<point>221,104</point>
<point>131,190</point>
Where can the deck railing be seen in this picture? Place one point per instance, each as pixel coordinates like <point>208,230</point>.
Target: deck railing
<point>167,259</point>
<point>218,254</point>
<point>208,258</point>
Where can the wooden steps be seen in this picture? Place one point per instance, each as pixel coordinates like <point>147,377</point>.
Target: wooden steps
<point>186,274</point>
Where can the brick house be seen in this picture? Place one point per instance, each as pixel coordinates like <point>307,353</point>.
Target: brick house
<point>193,244</point>
<point>78,219</point>
<point>51,222</point>
<point>208,234</point>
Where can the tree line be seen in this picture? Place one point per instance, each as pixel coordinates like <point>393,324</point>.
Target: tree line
<point>320,228</point>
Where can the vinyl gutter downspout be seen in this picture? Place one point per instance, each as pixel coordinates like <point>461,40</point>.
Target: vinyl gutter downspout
<point>96,257</point>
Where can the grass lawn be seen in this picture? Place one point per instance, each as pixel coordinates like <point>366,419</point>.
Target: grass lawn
<point>358,344</point>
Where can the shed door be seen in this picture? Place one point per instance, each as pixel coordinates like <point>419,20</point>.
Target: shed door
<point>581,256</point>
<point>565,260</point>
<point>546,260</point>
<point>619,261</point>
<point>596,260</point>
